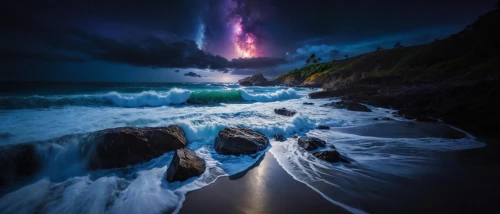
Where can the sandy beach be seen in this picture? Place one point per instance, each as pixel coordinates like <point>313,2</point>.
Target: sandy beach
<point>264,188</point>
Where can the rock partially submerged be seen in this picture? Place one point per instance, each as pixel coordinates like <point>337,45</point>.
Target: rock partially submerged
<point>17,162</point>
<point>306,103</point>
<point>119,147</point>
<point>351,106</point>
<point>184,165</point>
<point>311,143</point>
<point>285,112</point>
<point>240,141</point>
<point>331,156</point>
<point>383,118</point>
<point>323,127</point>
<point>279,137</point>
<point>254,80</point>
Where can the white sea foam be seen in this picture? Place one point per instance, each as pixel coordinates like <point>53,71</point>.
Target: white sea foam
<point>64,186</point>
<point>283,94</point>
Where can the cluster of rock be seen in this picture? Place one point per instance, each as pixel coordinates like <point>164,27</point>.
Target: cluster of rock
<point>121,147</point>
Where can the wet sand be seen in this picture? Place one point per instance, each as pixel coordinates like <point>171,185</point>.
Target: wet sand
<point>264,188</point>
<point>404,129</point>
<point>467,182</point>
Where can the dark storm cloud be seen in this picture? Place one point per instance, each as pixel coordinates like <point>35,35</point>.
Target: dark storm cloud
<point>162,53</point>
<point>161,34</point>
<point>258,62</point>
<point>192,74</point>
<point>22,57</point>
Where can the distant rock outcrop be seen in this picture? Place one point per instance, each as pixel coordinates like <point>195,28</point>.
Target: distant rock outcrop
<point>240,141</point>
<point>254,80</point>
<point>185,164</point>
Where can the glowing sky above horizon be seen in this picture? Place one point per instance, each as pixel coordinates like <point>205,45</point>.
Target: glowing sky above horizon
<point>209,40</point>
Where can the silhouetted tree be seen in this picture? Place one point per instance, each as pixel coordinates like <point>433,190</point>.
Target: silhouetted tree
<point>346,56</point>
<point>379,48</point>
<point>398,45</point>
<point>319,59</point>
<point>313,59</point>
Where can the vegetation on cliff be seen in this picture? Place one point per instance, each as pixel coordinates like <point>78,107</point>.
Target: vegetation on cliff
<point>472,53</point>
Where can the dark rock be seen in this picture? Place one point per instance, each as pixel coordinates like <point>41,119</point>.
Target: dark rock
<point>351,106</point>
<point>119,147</point>
<point>323,127</point>
<point>306,103</point>
<point>331,156</point>
<point>285,112</point>
<point>311,143</point>
<point>295,136</point>
<point>245,83</point>
<point>18,161</point>
<point>254,80</point>
<point>184,165</point>
<point>238,141</point>
<point>384,118</point>
<point>324,94</point>
<point>279,137</point>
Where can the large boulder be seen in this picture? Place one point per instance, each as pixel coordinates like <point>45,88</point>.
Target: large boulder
<point>311,143</point>
<point>240,141</point>
<point>119,147</point>
<point>185,164</point>
<point>285,112</point>
<point>254,80</point>
<point>331,156</point>
<point>18,161</point>
<point>351,106</point>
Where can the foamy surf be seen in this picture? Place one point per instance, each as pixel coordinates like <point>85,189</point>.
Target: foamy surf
<point>174,96</point>
<point>64,185</point>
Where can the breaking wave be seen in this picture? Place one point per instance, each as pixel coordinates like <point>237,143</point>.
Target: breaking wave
<point>145,99</point>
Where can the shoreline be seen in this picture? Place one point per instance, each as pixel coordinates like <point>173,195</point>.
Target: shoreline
<point>263,188</point>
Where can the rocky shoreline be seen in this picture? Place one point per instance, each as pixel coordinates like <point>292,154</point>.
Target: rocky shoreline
<point>125,146</point>
<point>469,105</point>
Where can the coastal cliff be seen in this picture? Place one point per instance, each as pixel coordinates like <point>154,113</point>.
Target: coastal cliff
<point>452,79</point>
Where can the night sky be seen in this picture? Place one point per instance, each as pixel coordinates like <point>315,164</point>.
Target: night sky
<point>209,40</point>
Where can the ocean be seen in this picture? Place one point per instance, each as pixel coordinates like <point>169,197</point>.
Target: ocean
<point>39,112</point>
